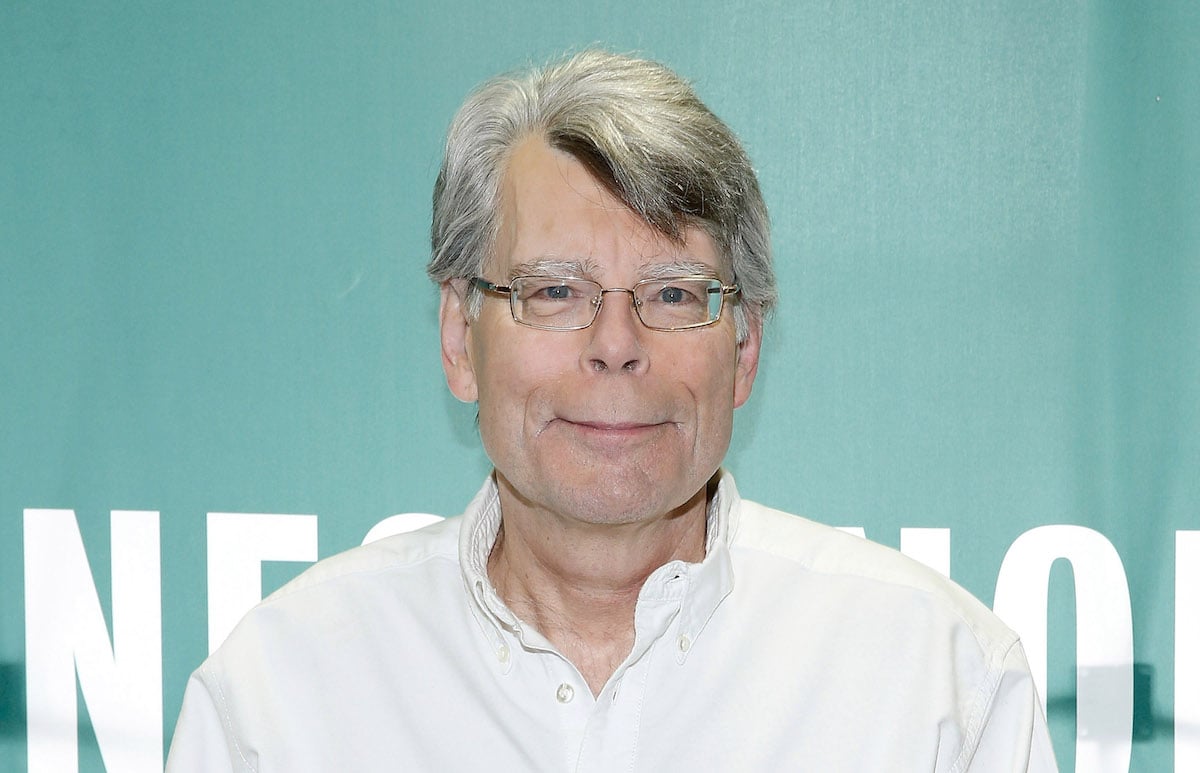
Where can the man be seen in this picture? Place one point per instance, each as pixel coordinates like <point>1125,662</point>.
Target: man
<point>608,601</point>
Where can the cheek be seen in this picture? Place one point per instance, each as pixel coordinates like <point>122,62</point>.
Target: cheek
<point>502,400</point>
<point>514,378</point>
<point>708,374</point>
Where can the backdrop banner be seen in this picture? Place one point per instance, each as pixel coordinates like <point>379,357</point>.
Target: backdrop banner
<point>219,357</point>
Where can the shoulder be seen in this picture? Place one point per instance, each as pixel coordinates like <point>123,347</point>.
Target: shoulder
<point>871,616</point>
<point>392,581</point>
<point>352,625</point>
<point>436,543</point>
<point>815,552</point>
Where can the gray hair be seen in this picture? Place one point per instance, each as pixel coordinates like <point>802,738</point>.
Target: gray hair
<point>640,130</point>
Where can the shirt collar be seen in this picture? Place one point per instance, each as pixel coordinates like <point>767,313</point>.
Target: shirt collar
<point>706,585</point>
<point>481,524</point>
<point>710,581</point>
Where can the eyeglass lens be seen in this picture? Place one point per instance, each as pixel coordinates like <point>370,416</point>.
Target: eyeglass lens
<point>557,302</point>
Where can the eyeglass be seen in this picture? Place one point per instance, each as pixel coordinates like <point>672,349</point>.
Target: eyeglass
<point>564,303</point>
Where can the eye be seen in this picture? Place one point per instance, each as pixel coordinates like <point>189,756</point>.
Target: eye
<point>547,290</point>
<point>675,295</point>
<point>556,293</point>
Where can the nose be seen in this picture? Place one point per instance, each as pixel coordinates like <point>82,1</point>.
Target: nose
<point>615,341</point>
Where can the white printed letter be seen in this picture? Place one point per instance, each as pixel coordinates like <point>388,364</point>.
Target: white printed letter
<point>121,680</point>
<point>929,546</point>
<point>238,543</point>
<point>400,523</point>
<point>1104,633</point>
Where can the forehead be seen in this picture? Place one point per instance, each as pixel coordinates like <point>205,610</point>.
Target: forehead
<point>553,211</point>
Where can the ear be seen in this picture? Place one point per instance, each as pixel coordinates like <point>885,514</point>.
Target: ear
<point>456,335</point>
<point>747,361</point>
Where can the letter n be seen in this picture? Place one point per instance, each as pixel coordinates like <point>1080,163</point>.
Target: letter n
<point>65,633</point>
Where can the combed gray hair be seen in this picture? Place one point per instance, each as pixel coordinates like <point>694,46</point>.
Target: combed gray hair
<point>640,130</point>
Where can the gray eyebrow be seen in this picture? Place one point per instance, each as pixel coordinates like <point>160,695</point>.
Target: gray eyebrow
<point>676,268</point>
<point>587,268</point>
<point>580,269</point>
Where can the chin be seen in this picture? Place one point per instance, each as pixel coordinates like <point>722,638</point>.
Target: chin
<point>618,499</point>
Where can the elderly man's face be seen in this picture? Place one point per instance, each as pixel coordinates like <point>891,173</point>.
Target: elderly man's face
<point>613,423</point>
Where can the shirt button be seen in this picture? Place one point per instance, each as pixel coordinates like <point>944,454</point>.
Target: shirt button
<point>685,643</point>
<point>565,693</point>
<point>502,653</point>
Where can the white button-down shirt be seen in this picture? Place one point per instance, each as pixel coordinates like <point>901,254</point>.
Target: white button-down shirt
<point>791,646</point>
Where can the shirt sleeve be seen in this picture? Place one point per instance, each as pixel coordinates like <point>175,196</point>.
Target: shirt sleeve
<point>200,744</point>
<point>1014,735</point>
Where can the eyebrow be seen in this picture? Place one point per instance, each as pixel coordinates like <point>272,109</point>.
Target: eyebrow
<point>587,268</point>
<point>580,269</point>
<point>675,268</point>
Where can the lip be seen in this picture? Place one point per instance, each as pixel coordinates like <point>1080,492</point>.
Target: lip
<point>613,426</point>
<point>614,430</point>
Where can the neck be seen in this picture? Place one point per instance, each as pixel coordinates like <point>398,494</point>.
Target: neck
<point>578,582</point>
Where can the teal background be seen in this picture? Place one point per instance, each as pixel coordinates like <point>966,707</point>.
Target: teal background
<point>213,227</point>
